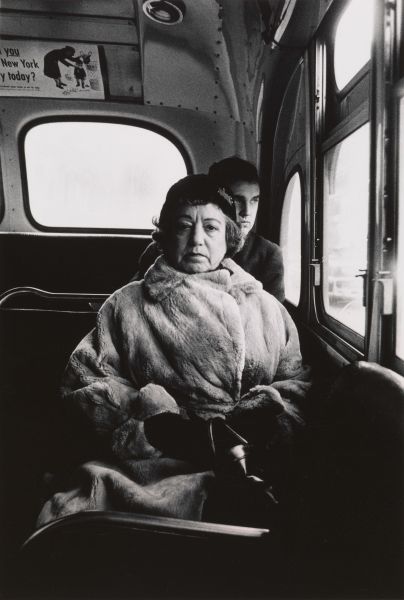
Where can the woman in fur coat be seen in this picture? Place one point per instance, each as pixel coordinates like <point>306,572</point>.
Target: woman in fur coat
<point>197,339</point>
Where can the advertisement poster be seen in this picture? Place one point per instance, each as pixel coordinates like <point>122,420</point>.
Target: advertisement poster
<point>50,70</point>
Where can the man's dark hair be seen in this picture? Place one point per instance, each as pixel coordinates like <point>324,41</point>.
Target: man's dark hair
<point>232,169</point>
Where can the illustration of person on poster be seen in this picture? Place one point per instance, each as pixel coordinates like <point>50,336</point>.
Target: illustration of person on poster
<point>51,63</point>
<point>80,70</point>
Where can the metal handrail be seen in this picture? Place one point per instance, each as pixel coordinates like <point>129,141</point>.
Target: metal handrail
<point>142,522</point>
<point>50,295</point>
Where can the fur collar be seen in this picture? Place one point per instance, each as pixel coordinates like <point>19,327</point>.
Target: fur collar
<point>162,279</point>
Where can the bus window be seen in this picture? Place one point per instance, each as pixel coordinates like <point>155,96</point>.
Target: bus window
<point>98,175</point>
<point>353,41</point>
<point>345,226</point>
<point>400,237</point>
<point>342,91</point>
<point>290,238</point>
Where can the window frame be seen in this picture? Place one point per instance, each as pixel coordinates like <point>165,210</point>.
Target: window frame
<point>333,119</point>
<point>384,176</point>
<point>82,118</point>
<point>353,338</point>
<point>396,362</point>
<point>331,126</point>
<point>352,83</point>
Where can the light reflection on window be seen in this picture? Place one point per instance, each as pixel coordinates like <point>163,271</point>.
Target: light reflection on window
<point>98,175</point>
<point>353,40</point>
<point>346,197</point>
<point>290,238</point>
<point>400,255</point>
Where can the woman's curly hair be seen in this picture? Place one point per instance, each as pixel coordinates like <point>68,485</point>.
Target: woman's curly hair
<point>196,190</point>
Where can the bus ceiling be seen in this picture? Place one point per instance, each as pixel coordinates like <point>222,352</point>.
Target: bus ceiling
<point>205,56</point>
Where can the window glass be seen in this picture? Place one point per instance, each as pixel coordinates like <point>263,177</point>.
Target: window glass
<point>98,175</point>
<point>400,256</point>
<point>346,197</point>
<point>353,40</point>
<point>290,238</point>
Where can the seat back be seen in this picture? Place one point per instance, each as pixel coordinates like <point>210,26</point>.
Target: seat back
<point>354,486</point>
<point>35,347</point>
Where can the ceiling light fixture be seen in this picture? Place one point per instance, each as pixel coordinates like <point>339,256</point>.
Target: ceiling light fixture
<point>165,12</point>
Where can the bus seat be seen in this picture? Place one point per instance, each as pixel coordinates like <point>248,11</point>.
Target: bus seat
<point>121,555</point>
<point>35,346</point>
<point>353,482</point>
<point>75,262</point>
<point>344,539</point>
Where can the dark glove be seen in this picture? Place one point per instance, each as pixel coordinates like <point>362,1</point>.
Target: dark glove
<point>258,424</point>
<point>211,444</point>
<point>180,438</point>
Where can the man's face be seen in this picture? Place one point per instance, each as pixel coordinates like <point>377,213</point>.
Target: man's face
<point>246,197</point>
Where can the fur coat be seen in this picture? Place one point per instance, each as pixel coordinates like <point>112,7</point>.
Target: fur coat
<point>208,344</point>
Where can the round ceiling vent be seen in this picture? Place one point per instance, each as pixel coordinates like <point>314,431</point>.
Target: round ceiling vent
<point>165,12</point>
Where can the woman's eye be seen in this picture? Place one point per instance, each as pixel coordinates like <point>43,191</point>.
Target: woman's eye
<point>182,226</point>
<point>210,228</point>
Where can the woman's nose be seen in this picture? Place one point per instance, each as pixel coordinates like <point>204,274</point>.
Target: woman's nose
<point>197,235</point>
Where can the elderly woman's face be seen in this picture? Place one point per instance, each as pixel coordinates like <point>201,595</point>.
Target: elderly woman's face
<point>199,238</point>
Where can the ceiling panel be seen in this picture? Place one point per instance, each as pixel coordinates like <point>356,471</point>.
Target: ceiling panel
<point>69,28</point>
<point>108,8</point>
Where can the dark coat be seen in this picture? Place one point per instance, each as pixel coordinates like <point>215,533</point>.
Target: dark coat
<point>263,260</point>
<point>51,63</point>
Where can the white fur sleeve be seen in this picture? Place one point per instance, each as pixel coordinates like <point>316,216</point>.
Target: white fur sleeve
<point>97,381</point>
